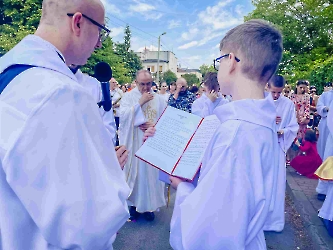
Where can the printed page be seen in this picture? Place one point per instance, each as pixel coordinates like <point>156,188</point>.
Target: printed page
<point>173,132</point>
<point>192,157</point>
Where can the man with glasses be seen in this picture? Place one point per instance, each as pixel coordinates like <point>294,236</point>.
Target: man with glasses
<point>140,109</point>
<point>61,184</point>
<point>182,98</point>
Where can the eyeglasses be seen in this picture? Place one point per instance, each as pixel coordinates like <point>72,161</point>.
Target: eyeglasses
<point>217,61</point>
<point>148,84</point>
<point>103,31</point>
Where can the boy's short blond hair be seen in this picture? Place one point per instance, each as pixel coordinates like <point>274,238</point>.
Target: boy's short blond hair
<point>258,45</point>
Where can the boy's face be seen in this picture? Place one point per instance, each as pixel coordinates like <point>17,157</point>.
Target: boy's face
<point>224,74</point>
<point>275,91</point>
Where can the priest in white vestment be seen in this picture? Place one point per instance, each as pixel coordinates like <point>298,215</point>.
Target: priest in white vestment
<point>139,109</point>
<point>287,128</point>
<point>61,187</point>
<point>323,104</point>
<point>210,99</point>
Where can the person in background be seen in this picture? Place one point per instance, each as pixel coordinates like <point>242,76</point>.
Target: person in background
<point>182,98</point>
<point>154,87</point>
<point>164,91</point>
<point>210,99</point>
<point>194,89</point>
<point>328,87</point>
<point>314,118</point>
<point>124,88</point>
<point>287,91</point>
<point>308,163</point>
<point>302,105</point>
<point>173,87</point>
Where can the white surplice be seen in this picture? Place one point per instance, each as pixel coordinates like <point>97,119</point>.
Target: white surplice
<point>326,211</point>
<point>147,191</point>
<point>93,86</point>
<point>285,108</point>
<point>116,96</point>
<point>324,101</point>
<point>203,106</point>
<point>61,186</point>
<point>229,206</point>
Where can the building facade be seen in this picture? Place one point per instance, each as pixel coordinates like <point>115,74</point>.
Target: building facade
<point>167,61</point>
<point>181,72</point>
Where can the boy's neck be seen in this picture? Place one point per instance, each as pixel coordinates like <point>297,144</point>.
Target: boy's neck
<point>244,88</point>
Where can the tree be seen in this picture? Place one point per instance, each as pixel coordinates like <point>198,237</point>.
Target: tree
<point>106,54</point>
<point>168,76</point>
<point>19,18</point>
<point>191,79</point>
<point>307,33</point>
<point>204,69</point>
<point>131,61</point>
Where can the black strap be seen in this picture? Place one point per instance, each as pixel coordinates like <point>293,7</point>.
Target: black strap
<point>10,73</point>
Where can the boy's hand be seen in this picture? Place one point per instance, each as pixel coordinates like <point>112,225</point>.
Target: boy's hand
<point>278,119</point>
<point>150,132</point>
<point>175,181</point>
<point>212,95</point>
<point>122,155</point>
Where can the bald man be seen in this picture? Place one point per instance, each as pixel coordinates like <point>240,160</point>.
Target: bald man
<point>139,110</point>
<point>61,187</point>
<point>182,98</point>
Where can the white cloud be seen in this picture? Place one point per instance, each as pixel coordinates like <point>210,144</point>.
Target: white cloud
<point>190,34</point>
<point>117,31</point>
<point>153,16</point>
<point>110,8</point>
<point>188,45</point>
<point>173,24</point>
<point>239,9</point>
<point>141,7</point>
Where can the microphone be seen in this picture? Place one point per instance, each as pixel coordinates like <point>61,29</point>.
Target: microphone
<point>103,74</point>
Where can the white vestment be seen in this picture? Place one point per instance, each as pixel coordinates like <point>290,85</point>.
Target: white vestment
<point>229,206</point>
<point>203,106</point>
<point>93,86</point>
<point>326,211</point>
<point>324,101</point>
<point>147,191</point>
<point>165,97</point>
<point>285,109</point>
<point>61,186</point>
<point>116,96</point>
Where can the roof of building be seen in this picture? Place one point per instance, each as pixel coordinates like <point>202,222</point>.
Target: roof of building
<point>180,70</point>
<point>153,61</point>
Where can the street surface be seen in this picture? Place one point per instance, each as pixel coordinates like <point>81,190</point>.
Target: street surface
<point>144,235</point>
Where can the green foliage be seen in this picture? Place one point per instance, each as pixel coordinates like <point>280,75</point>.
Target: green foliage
<point>307,33</point>
<point>206,68</point>
<point>322,73</point>
<point>106,54</point>
<point>131,61</point>
<point>191,79</point>
<point>169,77</point>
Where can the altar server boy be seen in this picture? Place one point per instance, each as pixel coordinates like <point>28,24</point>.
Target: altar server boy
<point>287,127</point>
<point>229,206</point>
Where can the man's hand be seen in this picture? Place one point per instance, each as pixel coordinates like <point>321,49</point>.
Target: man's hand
<point>213,95</point>
<point>122,155</point>
<point>150,132</point>
<point>146,125</point>
<point>146,97</point>
<point>278,119</point>
<point>179,87</point>
<point>175,181</point>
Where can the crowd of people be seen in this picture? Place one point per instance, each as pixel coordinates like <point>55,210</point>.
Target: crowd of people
<point>69,178</point>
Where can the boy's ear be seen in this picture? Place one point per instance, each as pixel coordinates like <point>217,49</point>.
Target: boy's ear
<point>232,63</point>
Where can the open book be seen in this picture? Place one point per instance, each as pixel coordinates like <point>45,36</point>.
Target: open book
<point>179,144</point>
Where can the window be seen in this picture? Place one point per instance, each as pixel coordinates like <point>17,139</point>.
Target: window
<point>148,68</point>
<point>152,69</point>
<point>160,68</point>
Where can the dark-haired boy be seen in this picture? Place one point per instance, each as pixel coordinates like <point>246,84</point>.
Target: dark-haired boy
<point>287,128</point>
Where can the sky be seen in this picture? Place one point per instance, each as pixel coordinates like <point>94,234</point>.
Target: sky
<point>194,28</point>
